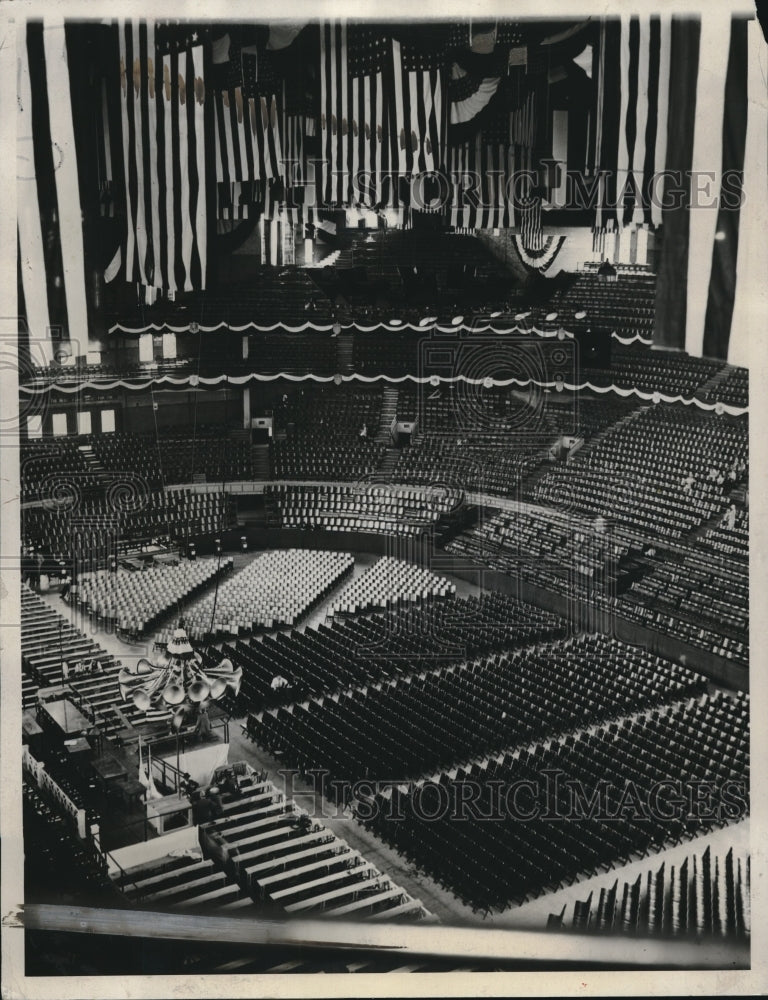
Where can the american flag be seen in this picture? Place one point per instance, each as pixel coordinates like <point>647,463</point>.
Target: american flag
<point>381,114</point>
<point>248,144</point>
<point>420,108</point>
<point>163,125</point>
<point>50,226</point>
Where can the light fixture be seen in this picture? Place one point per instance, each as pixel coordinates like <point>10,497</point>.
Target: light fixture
<point>427,320</point>
<point>551,317</point>
<point>395,322</point>
<point>177,679</point>
<point>457,321</point>
<point>581,314</point>
<point>336,329</point>
<point>496,313</point>
<point>519,317</point>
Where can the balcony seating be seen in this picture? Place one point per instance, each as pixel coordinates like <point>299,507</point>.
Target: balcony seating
<point>97,529</point>
<point>379,508</point>
<point>638,474</point>
<point>55,469</point>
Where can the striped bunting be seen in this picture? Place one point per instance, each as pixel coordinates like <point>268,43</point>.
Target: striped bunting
<point>163,126</point>
<point>50,232</point>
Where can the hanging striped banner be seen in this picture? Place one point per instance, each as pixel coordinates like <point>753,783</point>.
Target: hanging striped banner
<point>52,261</point>
<point>104,157</point>
<point>247,137</point>
<point>382,116</point>
<point>482,185</point>
<point>419,110</point>
<point>632,97</point>
<point>163,131</point>
<point>711,274</point>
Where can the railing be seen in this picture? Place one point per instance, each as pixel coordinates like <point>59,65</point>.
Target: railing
<point>106,858</point>
<point>35,769</point>
<point>161,769</point>
<point>168,775</point>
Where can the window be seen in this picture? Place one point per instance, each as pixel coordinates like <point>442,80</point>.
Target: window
<point>107,421</point>
<point>169,346</point>
<point>84,422</point>
<point>35,426</point>
<point>146,347</point>
<point>59,424</point>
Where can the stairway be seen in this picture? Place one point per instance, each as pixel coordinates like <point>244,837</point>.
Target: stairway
<point>388,464</point>
<point>94,465</point>
<point>708,391</point>
<point>260,461</point>
<point>388,414</point>
<point>612,428</point>
<point>344,350</point>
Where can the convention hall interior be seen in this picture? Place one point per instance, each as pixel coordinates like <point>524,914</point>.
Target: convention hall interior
<point>384,488</point>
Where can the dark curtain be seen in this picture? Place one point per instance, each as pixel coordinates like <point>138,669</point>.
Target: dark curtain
<point>672,278</point>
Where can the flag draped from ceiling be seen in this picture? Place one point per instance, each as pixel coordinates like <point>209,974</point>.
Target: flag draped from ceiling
<point>382,115</point>
<point>164,160</point>
<point>630,135</point>
<point>717,147</point>
<point>50,229</point>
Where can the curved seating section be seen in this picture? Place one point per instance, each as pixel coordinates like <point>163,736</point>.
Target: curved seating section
<point>465,465</point>
<point>492,864</point>
<point>636,474</point>
<point>95,529</point>
<point>390,583</point>
<point>268,296</point>
<point>637,367</point>
<point>283,858</point>
<point>491,441</point>
<point>358,651</point>
<point>702,595</point>
<point>729,386</point>
<point>330,408</point>
<point>707,893</point>
<point>380,508</point>
<point>625,303</point>
<point>416,724</point>
<point>274,590</point>
<point>323,434</point>
<point>158,461</point>
<point>50,464</point>
<point>325,456</point>
<point>134,602</point>
<point>564,553</point>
